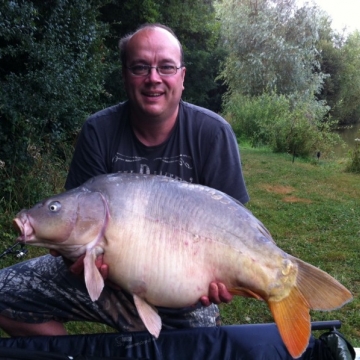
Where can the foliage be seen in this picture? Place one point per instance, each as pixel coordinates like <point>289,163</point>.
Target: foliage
<point>354,164</point>
<point>50,79</point>
<point>285,124</point>
<point>250,116</point>
<point>348,104</point>
<point>339,58</point>
<point>25,188</point>
<point>271,45</point>
<point>331,62</point>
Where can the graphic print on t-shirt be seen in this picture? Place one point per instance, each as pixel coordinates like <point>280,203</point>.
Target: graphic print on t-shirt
<point>166,166</point>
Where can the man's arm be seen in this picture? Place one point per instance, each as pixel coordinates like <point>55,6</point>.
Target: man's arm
<point>89,157</point>
<point>222,169</point>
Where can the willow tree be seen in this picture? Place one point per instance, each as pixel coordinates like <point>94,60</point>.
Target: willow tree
<point>273,74</point>
<point>272,46</point>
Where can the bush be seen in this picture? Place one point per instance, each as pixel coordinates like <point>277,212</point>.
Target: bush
<point>354,164</point>
<point>25,185</point>
<point>251,117</point>
<point>284,123</point>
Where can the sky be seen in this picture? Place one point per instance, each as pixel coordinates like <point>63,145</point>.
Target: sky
<point>343,13</point>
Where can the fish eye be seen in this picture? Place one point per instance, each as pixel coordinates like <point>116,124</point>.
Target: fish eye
<point>54,206</point>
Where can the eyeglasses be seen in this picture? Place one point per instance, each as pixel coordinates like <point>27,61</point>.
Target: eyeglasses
<point>144,70</point>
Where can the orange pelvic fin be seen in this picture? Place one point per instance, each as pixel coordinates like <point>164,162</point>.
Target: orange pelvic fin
<point>244,293</point>
<point>292,318</point>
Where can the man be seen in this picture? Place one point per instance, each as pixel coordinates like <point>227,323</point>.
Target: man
<point>153,132</point>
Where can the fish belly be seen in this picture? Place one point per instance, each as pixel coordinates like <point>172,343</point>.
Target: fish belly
<point>168,266</point>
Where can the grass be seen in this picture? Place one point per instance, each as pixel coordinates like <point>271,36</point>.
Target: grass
<point>312,209</point>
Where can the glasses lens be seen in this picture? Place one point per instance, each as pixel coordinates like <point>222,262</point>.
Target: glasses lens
<point>140,70</point>
<point>167,69</point>
<point>143,70</point>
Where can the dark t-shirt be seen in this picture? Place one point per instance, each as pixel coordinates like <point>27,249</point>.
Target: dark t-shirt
<point>201,149</point>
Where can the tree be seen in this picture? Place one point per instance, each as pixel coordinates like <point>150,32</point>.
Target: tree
<point>272,46</point>
<point>331,63</point>
<point>348,104</point>
<point>273,73</point>
<point>50,77</point>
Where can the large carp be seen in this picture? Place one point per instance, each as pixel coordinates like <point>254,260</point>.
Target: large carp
<point>165,241</point>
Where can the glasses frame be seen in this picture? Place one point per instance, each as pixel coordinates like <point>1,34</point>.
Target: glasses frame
<point>153,67</point>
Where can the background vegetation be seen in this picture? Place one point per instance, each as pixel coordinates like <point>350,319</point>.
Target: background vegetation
<point>277,71</point>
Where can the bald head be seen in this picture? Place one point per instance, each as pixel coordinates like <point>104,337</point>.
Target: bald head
<point>123,43</point>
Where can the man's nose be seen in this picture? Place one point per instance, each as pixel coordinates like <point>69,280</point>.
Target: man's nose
<point>154,74</point>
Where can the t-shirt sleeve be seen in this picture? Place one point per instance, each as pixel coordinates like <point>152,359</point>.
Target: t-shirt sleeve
<point>222,169</point>
<point>88,160</point>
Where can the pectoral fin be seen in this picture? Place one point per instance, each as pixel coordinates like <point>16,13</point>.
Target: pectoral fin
<point>93,279</point>
<point>148,315</point>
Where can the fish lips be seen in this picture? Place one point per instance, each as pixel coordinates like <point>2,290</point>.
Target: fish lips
<point>22,224</point>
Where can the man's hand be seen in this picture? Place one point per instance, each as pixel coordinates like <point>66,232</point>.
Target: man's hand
<point>218,293</point>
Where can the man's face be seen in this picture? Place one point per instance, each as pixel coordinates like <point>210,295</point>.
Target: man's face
<point>154,96</point>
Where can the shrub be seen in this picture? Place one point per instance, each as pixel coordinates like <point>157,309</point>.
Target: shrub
<point>251,117</point>
<point>291,124</point>
<point>354,164</point>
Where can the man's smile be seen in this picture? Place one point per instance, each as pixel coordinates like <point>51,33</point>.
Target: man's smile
<point>153,94</point>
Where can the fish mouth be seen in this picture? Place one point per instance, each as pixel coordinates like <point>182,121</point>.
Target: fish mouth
<point>22,224</point>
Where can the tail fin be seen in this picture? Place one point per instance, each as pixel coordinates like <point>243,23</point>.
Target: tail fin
<point>293,321</point>
<point>321,291</point>
<point>315,289</point>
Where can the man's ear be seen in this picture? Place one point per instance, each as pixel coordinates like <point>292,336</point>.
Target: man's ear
<point>183,69</point>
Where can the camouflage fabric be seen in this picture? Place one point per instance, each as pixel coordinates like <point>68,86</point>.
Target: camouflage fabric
<point>43,289</point>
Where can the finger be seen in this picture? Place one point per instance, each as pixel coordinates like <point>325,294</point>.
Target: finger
<point>104,271</point>
<point>78,266</point>
<point>224,294</point>
<point>205,301</point>
<point>99,261</point>
<point>214,293</point>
